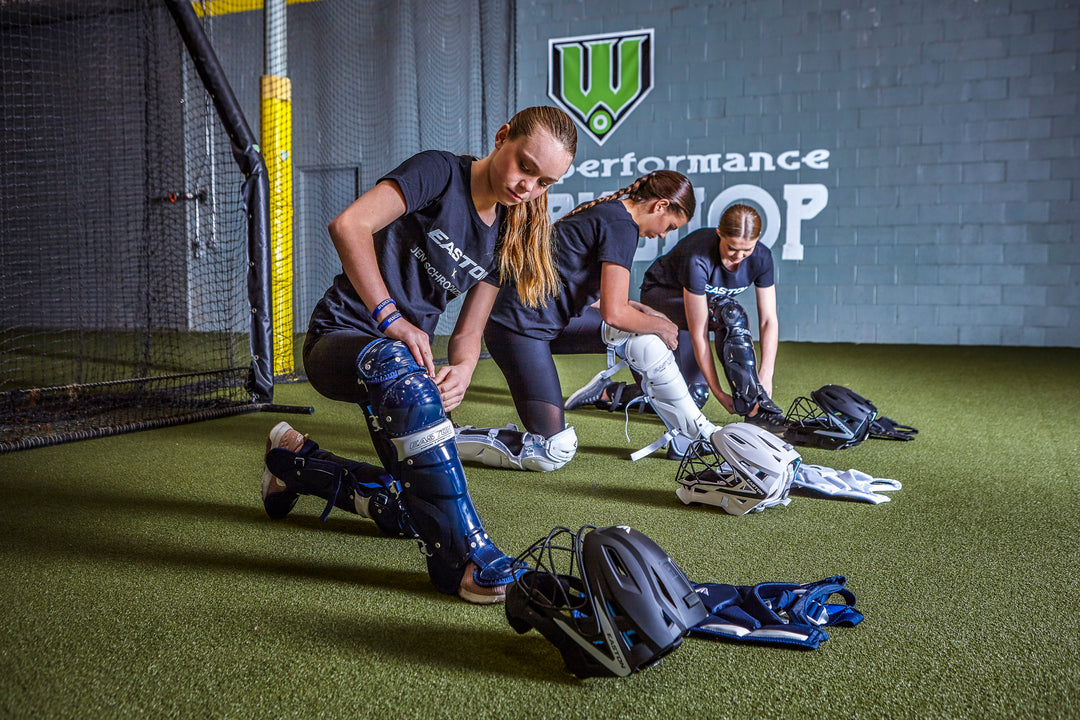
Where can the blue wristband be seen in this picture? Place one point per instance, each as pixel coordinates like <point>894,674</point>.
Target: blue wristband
<point>389,319</point>
<point>379,308</point>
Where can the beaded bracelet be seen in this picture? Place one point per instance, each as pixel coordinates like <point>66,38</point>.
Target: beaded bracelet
<point>379,308</point>
<point>389,319</point>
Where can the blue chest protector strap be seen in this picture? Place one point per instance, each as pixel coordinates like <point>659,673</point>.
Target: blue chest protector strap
<point>782,614</point>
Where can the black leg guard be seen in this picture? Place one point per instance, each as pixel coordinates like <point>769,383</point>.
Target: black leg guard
<point>406,405</point>
<point>352,486</point>
<point>735,348</point>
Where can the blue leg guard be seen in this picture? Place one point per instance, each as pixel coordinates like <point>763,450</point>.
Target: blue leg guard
<point>735,348</point>
<point>352,486</point>
<point>406,405</point>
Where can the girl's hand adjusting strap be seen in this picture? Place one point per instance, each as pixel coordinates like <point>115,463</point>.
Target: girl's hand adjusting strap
<point>389,319</point>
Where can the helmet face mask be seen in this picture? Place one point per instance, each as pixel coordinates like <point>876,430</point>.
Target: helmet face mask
<point>609,599</point>
<point>744,468</point>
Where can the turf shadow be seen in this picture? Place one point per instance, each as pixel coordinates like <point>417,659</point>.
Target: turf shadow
<point>442,647</point>
<point>82,500</point>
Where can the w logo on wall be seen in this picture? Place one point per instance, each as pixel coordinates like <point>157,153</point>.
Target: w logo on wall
<point>600,79</point>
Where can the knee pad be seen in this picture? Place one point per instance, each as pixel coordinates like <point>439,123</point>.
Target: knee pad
<point>407,406</point>
<point>735,348</point>
<point>511,448</point>
<point>662,381</point>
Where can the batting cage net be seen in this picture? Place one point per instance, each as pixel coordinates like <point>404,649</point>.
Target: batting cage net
<point>127,251</point>
<point>123,232</point>
<point>372,83</point>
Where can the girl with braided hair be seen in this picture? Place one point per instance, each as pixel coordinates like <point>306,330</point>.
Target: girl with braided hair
<point>695,284</point>
<point>595,249</point>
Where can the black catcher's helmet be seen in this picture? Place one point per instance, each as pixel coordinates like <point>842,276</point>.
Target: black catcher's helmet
<point>609,599</point>
<point>837,418</point>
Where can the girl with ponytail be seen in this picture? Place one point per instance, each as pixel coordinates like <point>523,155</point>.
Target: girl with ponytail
<point>437,227</point>
<point>595,248</point>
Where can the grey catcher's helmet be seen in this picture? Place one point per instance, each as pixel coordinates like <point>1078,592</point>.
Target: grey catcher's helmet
<point>610,599</point>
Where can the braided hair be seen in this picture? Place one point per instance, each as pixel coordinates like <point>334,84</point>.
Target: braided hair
<point>658,185</point>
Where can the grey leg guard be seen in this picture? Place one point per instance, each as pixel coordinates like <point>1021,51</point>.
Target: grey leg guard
<point>406,405</point>
<point>662,381</point>
<point>352,486</point>
<point>735,348</point>
<point>509,447</point>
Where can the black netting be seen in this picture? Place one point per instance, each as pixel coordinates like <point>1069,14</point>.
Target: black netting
<point>123,234</point>
<point>123,251</point>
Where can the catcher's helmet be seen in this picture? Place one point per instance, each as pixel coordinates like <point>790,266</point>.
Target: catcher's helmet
<point>837,418</point>
<point>751,470</point>
<point>609,599</point>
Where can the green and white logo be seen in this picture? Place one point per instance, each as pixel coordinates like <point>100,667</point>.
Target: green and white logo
<point>600,79</point>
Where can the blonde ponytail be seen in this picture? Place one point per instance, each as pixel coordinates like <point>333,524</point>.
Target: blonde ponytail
<point>527,238</point>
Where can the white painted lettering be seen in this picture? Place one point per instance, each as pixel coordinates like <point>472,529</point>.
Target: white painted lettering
<point>788,160</point>
<point>588,168</point>
<point>803,202</point>
<point>761,161</point>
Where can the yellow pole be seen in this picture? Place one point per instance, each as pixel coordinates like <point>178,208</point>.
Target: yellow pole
<point>276,143</point>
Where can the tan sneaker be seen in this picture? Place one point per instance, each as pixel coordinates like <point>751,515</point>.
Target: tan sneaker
<point>276,500</point>
<point>470,591</point>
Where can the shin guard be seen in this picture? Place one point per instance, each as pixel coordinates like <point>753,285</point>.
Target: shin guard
<point>735,348</point>
<point>662,381</point>
<point>406,405</point>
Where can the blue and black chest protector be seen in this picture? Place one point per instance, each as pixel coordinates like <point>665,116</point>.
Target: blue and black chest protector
<point>782,614</point>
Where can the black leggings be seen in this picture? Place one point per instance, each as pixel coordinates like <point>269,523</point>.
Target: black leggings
<point>330,364</point>
<point>675,310</point>
<point>529,367</point>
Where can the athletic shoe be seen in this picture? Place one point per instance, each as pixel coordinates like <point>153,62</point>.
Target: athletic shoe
<point>473,592</point>
<point>589,394</point>
<point>678,446</point>
<point>277,501</point>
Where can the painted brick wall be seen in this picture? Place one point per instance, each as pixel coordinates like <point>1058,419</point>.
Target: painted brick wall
<point>952,136</point>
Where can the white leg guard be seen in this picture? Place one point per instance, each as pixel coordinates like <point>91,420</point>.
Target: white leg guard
<point>663,383</point>
<point>508,447</point>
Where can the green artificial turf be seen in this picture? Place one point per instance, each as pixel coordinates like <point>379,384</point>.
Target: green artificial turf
<point>139,575</point>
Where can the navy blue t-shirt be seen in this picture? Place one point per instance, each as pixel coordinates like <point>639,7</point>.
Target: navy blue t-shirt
<point>603,233</point>
<point>436,251</point>
<point>695,264</point>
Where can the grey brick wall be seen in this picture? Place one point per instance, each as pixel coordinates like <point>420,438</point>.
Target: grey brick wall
<point>952,133</point>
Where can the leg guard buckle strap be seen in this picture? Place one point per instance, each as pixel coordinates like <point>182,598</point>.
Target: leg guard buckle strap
<point>352,486</point>
<point>307,476</point>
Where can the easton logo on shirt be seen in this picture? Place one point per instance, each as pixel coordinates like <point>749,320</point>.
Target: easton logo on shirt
<point>441,239</point>
<point>723,291</point>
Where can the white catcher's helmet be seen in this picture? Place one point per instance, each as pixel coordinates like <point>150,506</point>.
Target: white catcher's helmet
<point>743,468</point>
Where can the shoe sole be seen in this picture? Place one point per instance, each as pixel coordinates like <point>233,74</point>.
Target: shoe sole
<point>478,599</point>
<point>272,441</point>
